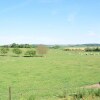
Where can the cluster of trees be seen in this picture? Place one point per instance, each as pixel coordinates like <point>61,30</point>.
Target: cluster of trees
<point>55,47</point>
<point>96,49</point>
<point>88,49</point>
<point>74,49</point>
<point>4,51</point>
<point>14,45</point>
<point>40,50</point>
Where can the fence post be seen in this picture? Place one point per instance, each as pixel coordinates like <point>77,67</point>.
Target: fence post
<point>9,93</point>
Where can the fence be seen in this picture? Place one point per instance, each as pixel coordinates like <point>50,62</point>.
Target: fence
<point>49,94</point>
<point>39,94</point>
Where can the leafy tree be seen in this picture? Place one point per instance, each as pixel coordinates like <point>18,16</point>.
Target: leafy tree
<point>97,49</point>
<point>56,47</point>
<point>17,51</point>
<point>14,45</point>
<point>30,53</point>
<point>42,49</point>
<point>4,50</point>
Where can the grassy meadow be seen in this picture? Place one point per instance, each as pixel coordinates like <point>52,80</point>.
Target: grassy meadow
<point>47,77</point>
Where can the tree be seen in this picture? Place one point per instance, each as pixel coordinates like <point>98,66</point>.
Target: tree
<point>56,47</point>
<point>42,49</point>
<point>17,51</point>
<point>4,50</point>
<point>30,53</point>
<point>14,45</point>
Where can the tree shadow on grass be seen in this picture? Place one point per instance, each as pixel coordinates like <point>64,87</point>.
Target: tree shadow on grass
<point>33,56</point>
<point>28,56</point>
<point>3,55</point>
<point>15,56</point>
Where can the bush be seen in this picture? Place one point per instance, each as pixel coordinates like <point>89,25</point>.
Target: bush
<point>92,49</point>
<point>17,51</point>
<point>42,49</point>
<point>4,50</point>
<point>30,53</point>
<point>97,93</point>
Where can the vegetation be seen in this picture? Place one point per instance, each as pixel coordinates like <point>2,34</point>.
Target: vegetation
<point>83,94</point>
<point>14,45</point>
<point>46,77</point>
<point>74,49</point>
<point>42,49</point>
<point>55,47</point>
<point>30,53</point>
<point>96,49</point>
<point>17,51</point>
<point>4,50</point>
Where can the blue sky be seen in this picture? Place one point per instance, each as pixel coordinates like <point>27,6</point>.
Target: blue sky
<point>49,21</point>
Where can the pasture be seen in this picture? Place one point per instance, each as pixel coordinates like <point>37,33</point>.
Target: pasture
<point>48,76</point>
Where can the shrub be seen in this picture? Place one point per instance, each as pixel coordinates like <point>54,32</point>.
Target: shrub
<point>97,93</point>
<point>79,95</point>
<point>30,53</point>
<point>4,50</point>
<point>42,49</point>
<point>17,51</point>
<point>92,49</point>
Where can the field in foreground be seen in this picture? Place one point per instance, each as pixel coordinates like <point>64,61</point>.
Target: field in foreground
<point>46,77</point>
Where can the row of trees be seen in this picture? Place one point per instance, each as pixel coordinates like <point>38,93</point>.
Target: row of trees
<point>89,49</point>
<point>41,50</point>
<point>14,45</point>
<point>96,49</point>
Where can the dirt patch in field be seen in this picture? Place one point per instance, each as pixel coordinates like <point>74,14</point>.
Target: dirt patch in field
<point>97,86</point>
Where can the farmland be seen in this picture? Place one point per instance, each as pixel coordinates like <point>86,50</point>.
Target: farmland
<point>46,77</point>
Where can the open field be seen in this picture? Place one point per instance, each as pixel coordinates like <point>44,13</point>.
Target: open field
<point>46,77</point>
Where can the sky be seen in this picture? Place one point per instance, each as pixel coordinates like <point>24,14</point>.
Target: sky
<point>49,21</point>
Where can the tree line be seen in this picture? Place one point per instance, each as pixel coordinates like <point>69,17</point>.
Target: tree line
<point>39,50</point>
<point>15,45</point>
<point>95,49</point>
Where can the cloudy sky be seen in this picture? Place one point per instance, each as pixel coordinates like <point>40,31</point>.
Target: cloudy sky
<point>49,21</point>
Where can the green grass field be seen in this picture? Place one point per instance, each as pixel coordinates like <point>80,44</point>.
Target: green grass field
<point>46,77</point>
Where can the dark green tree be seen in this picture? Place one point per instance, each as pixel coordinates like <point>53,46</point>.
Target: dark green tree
<point>4,50</point>
<point>30,53</point>
<point>17,51</point>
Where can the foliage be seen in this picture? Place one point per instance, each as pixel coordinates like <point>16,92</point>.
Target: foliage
<point>4,51</point>
<point>42,49</point>
<point>74,49</point>
<point>92,49</point>
<point>17,51</point>
<point>30,53</point>
<point>81,94</point>
<point>97,92</point>
<point>56,47</point>
<point>14,45</point>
